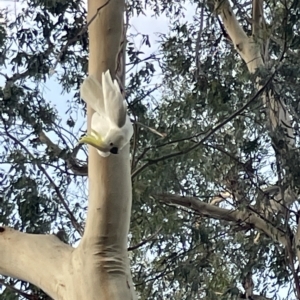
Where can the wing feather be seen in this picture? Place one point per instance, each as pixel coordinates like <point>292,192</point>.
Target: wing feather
<point>128,129</point>
<point>100,124</point>
<point>92,93</point>
<point>115,109</point>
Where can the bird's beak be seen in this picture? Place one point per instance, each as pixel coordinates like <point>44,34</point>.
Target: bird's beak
<point>94,140</point>
<point>114,150</point>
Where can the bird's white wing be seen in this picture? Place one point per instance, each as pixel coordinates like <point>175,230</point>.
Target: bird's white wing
<point>115,106</point>
<point>91,92</point>
<point>100,124</point>
<point>128,129</point>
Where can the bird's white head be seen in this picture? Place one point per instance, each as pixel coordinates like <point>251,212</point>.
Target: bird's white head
<point>115,140</point>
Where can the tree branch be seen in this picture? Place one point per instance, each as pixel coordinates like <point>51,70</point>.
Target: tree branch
<point>246,46</point>
<point>251,50</point>
<point>211,211</point>
<point>38,259</point>
<point>297,236</point>
<point>70,161</point>
<point>145,241</point>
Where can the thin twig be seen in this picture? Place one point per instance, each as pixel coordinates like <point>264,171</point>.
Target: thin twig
<point>163,135</point>
<point>142,243</point>
<point>130,105</point>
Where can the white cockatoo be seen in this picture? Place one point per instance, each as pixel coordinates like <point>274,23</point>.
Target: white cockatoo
<point>111,128</point>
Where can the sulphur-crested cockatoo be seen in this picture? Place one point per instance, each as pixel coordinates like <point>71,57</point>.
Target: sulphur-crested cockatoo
<point>111,128</point>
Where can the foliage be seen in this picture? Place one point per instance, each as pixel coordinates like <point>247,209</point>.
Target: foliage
<point>191,84</point>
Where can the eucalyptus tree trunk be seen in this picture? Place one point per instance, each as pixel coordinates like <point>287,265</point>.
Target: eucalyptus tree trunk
<point>99,267</point>
<point>254,51</point>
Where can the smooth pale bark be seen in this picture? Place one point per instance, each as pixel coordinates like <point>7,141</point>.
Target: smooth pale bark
<point>297,240</point>
<point>99,267</point>
<point>42,260</point>
<point>102,256</point>
<point>254,50</point>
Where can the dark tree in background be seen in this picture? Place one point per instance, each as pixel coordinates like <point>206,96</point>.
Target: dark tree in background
<point>214,159</point>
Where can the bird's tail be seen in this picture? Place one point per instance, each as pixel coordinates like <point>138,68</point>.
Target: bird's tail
<point>92,94</point>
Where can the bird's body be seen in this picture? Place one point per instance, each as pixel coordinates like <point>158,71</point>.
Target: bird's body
<point>111,128</point>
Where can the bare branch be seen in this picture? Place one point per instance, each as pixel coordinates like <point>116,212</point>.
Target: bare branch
<point>70,161</point>
<point>162,135</point>
<point>251,49</point>
<point>142,243</point>
<point>35,258</point>
<point>232,26</point>
<point>212,211</point>
<point>220,198</point>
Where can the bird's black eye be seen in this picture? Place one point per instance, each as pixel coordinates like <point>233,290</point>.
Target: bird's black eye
<point>111,144</point>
